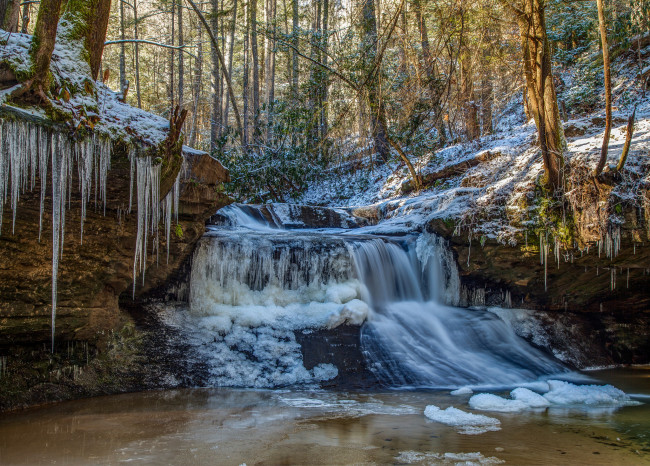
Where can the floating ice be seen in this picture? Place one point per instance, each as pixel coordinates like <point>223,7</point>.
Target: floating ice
<point>472,458</point>
<point>565,393</point>
<point>529,397</point>
<point>468,423</point>
<point>490,402</point>
<point>462,391</point>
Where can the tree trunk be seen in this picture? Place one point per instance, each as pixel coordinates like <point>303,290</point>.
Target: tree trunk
<point>378,126</point>
<point>198,71</point>
<point>294,39</point>
<point>215,114</point>
<point>137,53</point>
<point>26,17</point>
<point>123,84</point>
<point>270,73</point>
<point>9,15</point>
<point>468,99</point>
<point>172,58</point>
<point>90,21</point>
<point>324,92</point>
<point>245,84</point>
<point>541,90</point>
<point>608,88</point>
<point>181,62</point>
<point>43,41</point>
<point>256,69</point>
<point>230,56</point>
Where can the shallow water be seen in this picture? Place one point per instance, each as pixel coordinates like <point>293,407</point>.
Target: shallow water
<point>231,427</point>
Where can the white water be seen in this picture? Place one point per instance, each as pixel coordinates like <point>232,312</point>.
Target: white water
<point>249,276</point>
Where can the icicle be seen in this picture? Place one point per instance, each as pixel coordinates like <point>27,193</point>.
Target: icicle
<point>132,172</point>
<point>44,156</point>
<point>57,205</point>
<point>103,148</point>
<point>3,170</point>
<point>167,215</point>
<point>147,187</point>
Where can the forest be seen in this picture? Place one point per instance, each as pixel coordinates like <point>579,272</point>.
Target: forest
<point>284,93</point>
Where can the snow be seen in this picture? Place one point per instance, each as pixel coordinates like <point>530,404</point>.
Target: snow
<point>467,423</point>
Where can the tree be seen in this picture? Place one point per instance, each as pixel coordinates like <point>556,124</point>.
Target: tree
<point>9,15</point>
<point>541,89</point>
<point>608,89</point>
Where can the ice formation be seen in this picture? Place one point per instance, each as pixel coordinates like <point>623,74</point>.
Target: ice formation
<point>467,423</point>
<point>28,150</point>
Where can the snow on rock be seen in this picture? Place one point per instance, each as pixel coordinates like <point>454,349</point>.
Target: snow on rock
<point>566,393</point>
<point>490,402</point>
<point>467,423</point>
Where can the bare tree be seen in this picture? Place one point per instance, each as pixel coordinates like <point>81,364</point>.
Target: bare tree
<point>608,89</point>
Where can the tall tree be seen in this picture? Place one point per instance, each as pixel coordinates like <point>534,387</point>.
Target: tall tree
<point>215,117</point>
<point>181,62</point>
<point>137,53</point>
<point>256,68</point>
<point>541,89</point>
<point>608,88</point>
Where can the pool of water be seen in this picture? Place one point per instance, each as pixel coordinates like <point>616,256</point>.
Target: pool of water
<point>232,427</point>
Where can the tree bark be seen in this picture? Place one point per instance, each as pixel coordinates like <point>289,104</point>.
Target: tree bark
<point>43,41</point>
<point>215,114</point>
<point>541,90</point>
<point>137,53</point>
<point>608,88</point>
<point>123,84</point>
<point>231,53</point>
<point>9,15</point>
<point>181,61</point>
<point>256,69</point>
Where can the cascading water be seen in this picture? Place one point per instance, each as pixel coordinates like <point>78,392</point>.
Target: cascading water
<point>254,285</point>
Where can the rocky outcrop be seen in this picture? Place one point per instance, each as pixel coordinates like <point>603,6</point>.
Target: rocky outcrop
<point>93,275</point>
<point>603,301</point>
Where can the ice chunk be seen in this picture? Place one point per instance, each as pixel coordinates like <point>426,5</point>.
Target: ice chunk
<point>462,391</point>
<point>490,402</point>
<point>468,423</point>
<point>353,313</point>
<point>532,399</point>
<point>325,372</point>
<point>565,393</point>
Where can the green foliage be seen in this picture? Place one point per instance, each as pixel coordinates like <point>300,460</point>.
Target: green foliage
<point>551,216</point>
<point>278,171</point>
<point>572,27</point>
<point>178,231</point>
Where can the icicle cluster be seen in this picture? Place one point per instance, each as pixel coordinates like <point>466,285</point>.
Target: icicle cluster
<point>27,150</point>
<point>613,242</point>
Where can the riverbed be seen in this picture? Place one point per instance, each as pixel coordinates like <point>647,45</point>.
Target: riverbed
<point>235,426</point>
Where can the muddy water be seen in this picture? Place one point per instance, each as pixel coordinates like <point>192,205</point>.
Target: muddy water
<point>231,427</point>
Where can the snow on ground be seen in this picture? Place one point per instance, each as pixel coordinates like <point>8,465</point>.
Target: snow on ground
<point>494,198</point>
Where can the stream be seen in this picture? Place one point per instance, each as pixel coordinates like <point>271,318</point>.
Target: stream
<point>452,385</point>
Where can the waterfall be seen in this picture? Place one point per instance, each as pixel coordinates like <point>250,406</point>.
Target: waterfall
<point>253,285</point>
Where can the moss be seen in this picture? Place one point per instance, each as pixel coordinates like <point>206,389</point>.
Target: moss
<point>553,216</point>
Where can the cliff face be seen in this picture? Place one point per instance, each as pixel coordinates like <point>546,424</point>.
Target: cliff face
<point>93,274</point>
